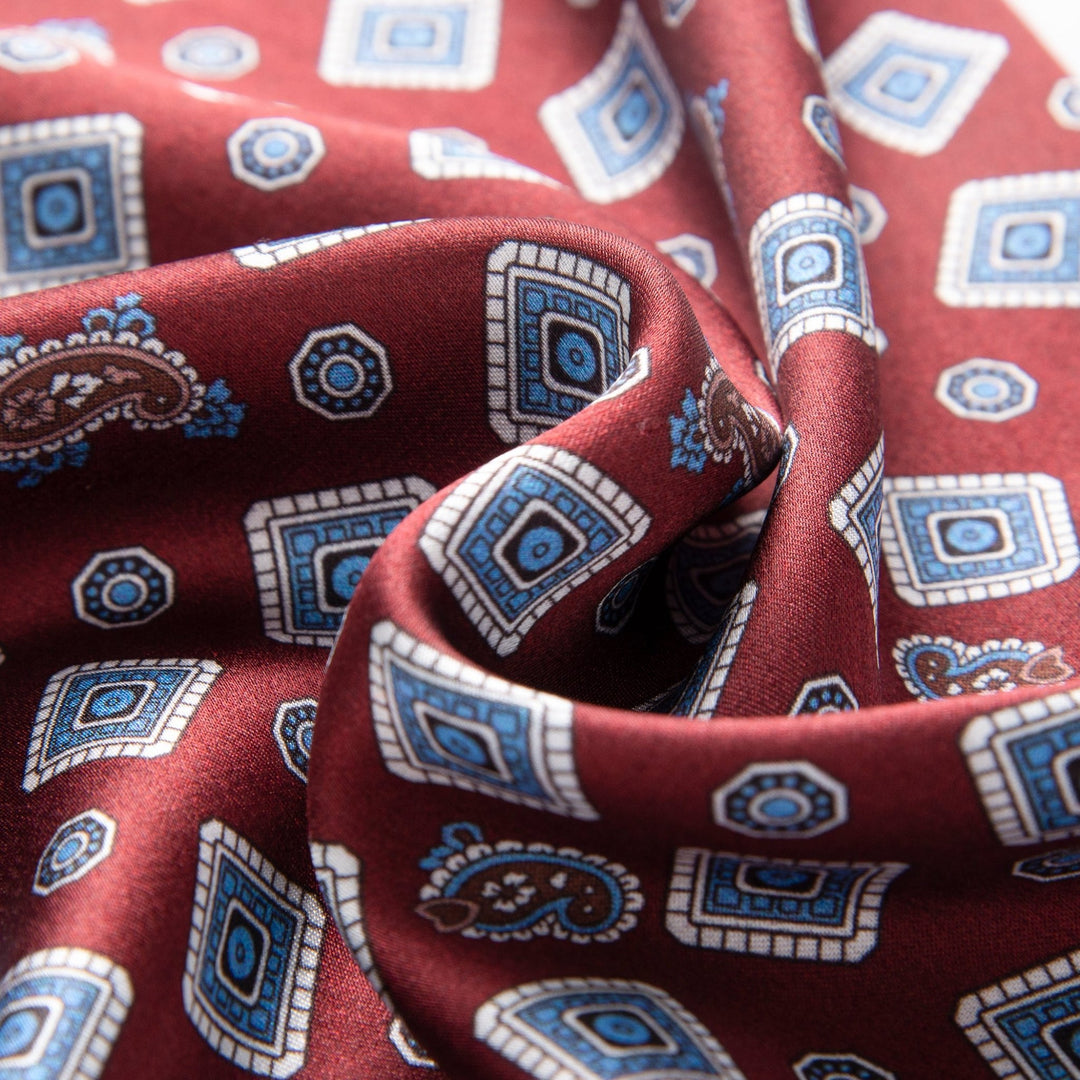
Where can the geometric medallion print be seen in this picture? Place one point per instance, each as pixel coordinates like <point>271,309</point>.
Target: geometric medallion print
<point>60,1013</point>
<point>620,127</point>
<point>691,253</point>
<point>1064,103</point>
<point>411,44</point>
<point>35,48</point>
<point>1013,241</point>
<point>908,83</point>
<point>453,154</point>
<point>118,708</point>
<point>1025,762</point>
<point>70,201</point>
<point>780,799</point>
<point>777,907</point>
<point>617,608</point>
<point>825,694</point>
<point>870,215</point>
<point>294,725</point>
<point>818,119</point>
<point>274,152</point>
<point>808,272</point>
<point>439,721</point>
<point>705,570</point>
<point>341,373</point>
<point>252,956</point>
<point>1053,866</point>
<point>269,254</point>
<point>1028,1025</point>
<point>125,587</point>
<point>518,534</point>
<point>839,1067</point>
<point>309,552</point>
<point>855,513</point>
<point>558,335</point>
<point>982,389</point>
<point>338,872</point>
<point>600,1029</point>
<point>75,849</point>
<point>700,696</point>
<point>955,539</point>
<point>211,52</point>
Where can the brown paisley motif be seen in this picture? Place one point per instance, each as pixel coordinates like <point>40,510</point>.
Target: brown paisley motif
<point>731,425</point>
<point>508,893</point>
<point>67,389</point>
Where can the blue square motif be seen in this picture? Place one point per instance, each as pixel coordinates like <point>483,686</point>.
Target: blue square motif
<point>70,201</point>
<point>248,951</point>
<point>482,738</point>
<point>1027,240</point>
<point>907,85</point>
<point>420,34</point>
<point>1046,762</point>
<point>310,551</point>
<point>533,534</point>
<point>616,1034</point>
<point>436,45</point>
<point>619,127</point>
<point>25,1029</point>
<point>600,1029</point>
<point>569,347</point>
<point>131,708</point>
<point>252,956</point>
<point>808,272</point>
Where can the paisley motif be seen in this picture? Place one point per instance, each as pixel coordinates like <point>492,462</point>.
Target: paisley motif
<point>58,391</point>
<point>514,891</point>
<point>730,425</point>
<point>941,667</point>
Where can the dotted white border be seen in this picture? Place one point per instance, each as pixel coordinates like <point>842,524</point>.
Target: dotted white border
<point>234,146</point>
<point>984,743</point>
<point>362,338</point>
<point>95,1041</point>
<point>983,51</point>
<point>215,839</point>
<point>1051,512</point>
<point>339,67</point>
<point>172,54</point>
<point>976,1013</point>
<point>107,824</point>
<point>807,1061</point>
<point>847,944</point>
<point>958,244</point>
<point>89,569</point>
<point>170,726</point>
<point>812,686</point>
<point>263,523</point>
<point>454,517</point>
<point>1026,403</point>
<point>824,316</point>
<point>268,255</point>
<point>124,134</point>
<point>722,656</point>
<point>550,725</point>
<point>564,269</point>
<point>279,738</point>
<point>497,1024</point>
<point>843,516</point>
<point>772,768</point>
<point>559,117</point>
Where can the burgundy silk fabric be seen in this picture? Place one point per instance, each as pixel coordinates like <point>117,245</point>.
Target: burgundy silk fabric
<point>743,816</point>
